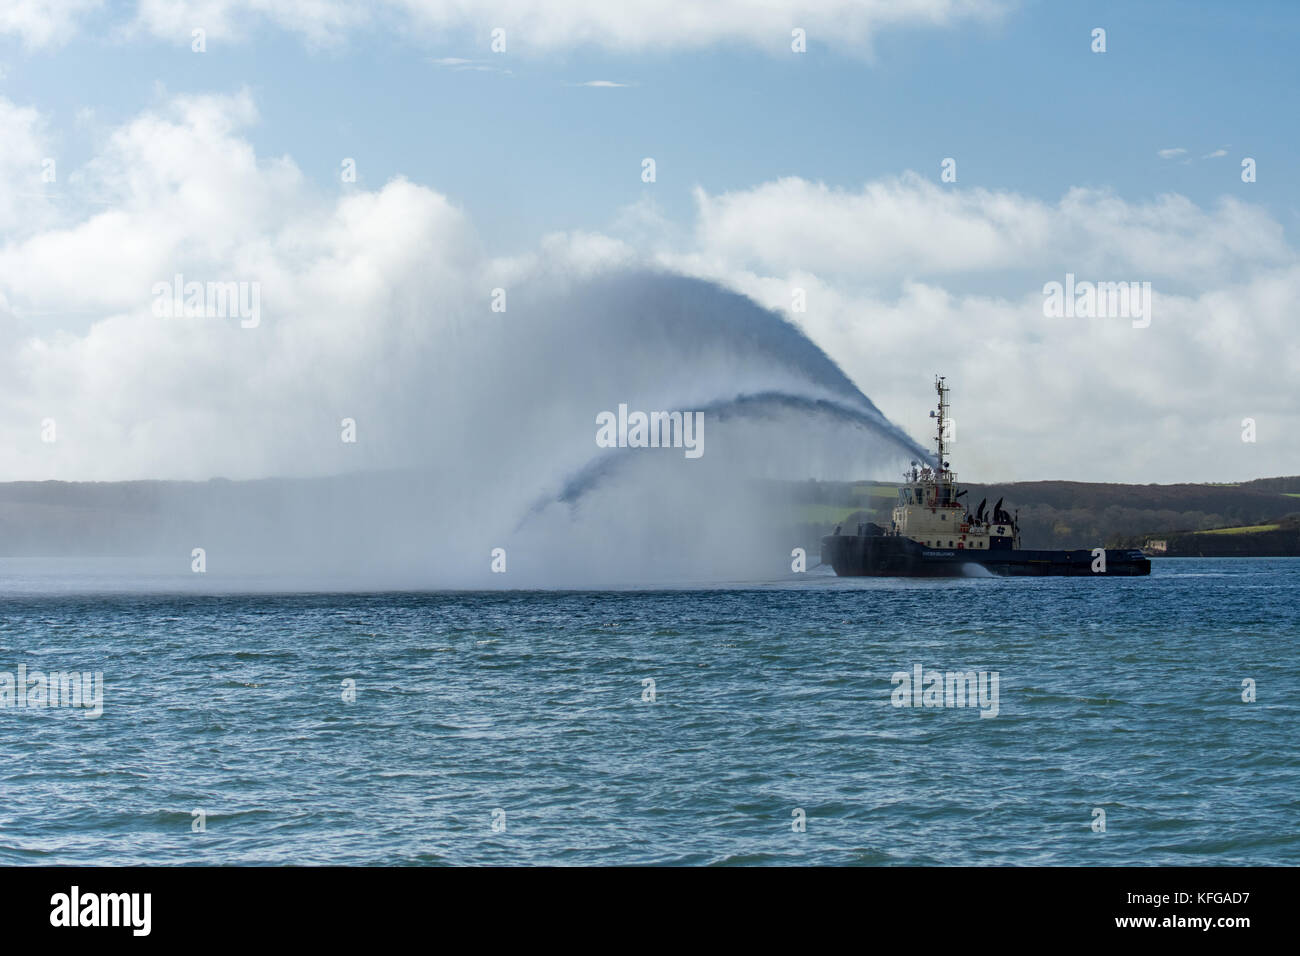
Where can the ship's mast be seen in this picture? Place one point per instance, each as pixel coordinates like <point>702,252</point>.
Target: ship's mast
<point>942,391</point>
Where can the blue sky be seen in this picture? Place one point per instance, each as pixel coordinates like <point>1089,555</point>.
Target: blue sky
<point>1020,100</point>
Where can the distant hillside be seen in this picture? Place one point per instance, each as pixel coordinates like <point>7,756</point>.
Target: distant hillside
<point>1279,539</point>
<point>1068,514</point>
<point>51,518</point>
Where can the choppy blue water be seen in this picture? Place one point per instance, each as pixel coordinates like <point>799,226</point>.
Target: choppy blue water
<point>1122,695</point>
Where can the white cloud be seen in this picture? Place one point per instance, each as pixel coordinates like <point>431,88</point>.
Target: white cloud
<point>22,159</point>
<point>530,25</point>
<point>669,24</point>
<point>319,22</point>
<point>340,281</point>
<point>1173,153</point>
<point>910,226</point>
<point>40,23</point>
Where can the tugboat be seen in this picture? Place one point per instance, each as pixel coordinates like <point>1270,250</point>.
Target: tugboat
<point>933,534</point>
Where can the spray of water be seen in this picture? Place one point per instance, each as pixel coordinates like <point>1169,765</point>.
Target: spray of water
<point>480,435</point>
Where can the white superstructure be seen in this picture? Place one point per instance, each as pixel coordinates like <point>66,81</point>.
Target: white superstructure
<point>929,510</point>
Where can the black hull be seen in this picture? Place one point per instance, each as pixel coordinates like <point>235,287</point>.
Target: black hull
<point>854,555</point>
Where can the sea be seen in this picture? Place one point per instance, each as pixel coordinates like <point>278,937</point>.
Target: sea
<point>1138,721</point>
